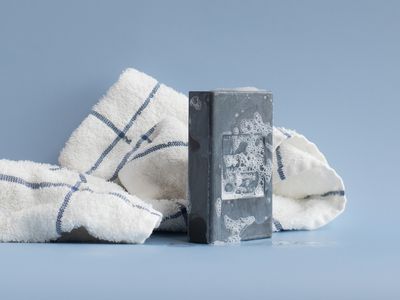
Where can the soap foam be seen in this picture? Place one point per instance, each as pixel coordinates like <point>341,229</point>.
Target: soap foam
<point>195,103</point>
<point>218,207</point>
<point>236,227</point>
<point>246,169</point>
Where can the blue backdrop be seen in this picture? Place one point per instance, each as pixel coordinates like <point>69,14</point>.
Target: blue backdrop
<point>333,67</point>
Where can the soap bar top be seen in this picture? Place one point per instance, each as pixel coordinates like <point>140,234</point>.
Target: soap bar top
<point>230,165</point>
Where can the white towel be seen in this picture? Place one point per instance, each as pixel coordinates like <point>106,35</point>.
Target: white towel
<point>307,192</point>
<point>167,152</point>
<point>158,173</point>
<point>40,203</point>
<point>120,123</point>
<point>123,128</point>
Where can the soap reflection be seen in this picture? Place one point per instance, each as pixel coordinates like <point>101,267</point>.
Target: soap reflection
<point>294,243</point>
<point>181,240</point>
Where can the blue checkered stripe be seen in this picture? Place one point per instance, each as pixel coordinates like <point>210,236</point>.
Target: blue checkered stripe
<point>278,154</point>
<point>132,154</point>
<point>121,134</point>
<point>111,125</point>
<point>277,225</point>
<point>279,162</point>
<point>160,147</point>
<point>68,197</point>
<point>146,137</point>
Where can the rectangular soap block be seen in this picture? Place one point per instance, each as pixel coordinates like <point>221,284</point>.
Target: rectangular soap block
<point>230,165</point>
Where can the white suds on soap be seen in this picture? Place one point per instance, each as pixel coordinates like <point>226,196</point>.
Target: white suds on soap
<point>236,227</point>
<point>246,169</point>
<point>218,207</point>
<point>195,103</point>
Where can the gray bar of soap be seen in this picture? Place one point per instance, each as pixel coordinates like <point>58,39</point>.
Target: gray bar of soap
<point>230,165</point>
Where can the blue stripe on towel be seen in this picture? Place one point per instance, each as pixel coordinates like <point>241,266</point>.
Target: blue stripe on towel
<point>66,201</point>
<point>144,137</point>
<point>73,189</point>
<point>86,189</point>
<point>280,163</point>
<point>159,147</point>
<point>38,185</point>
<point>134,205</point>
<point>111,125</point>
<point>126,128</point>
<point>285,133</point>
<point>32,185</point>
<point>55,168</point>
<point>182,212</point>
<point>327,194</point>
<point>277,225</point>
<point>333,193</point>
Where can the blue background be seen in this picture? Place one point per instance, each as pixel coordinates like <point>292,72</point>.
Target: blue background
<point>333,67</point>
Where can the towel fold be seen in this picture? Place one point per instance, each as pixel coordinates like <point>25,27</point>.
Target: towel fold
<point>307,192</point>
<point>41,203</point>
<point>138,131</point>
<point>158,173</point>
<point>120,123</point>
<point>174,213</point>
<point>159,169</point>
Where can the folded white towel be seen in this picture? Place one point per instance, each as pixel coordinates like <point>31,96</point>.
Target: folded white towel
<point>120,123</point>
<point>40,203</point>
<point>307,192</point>
<point>126,134</point>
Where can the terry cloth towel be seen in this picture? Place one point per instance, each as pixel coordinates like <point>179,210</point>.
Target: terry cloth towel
<point>41,203</point>
<point>307,192</point>
<point>120,123</point>
<point>126,129</point>
<point>158,173</point>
